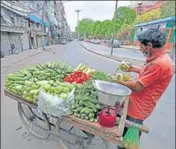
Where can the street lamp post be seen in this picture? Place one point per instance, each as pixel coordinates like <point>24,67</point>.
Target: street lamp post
<point>114,27</point>
<point>78,11</point>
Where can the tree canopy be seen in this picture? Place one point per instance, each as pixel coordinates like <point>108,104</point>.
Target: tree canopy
<point>123,16</point>
<point>149,16</point>
<point>168,9</point>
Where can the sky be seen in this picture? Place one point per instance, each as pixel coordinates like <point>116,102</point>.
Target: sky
<point>96,10</point>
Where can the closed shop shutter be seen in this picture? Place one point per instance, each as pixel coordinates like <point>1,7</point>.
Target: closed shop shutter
<point>25,41</point>
<point>5,43</point>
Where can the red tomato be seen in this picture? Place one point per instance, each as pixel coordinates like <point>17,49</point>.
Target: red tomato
<point>68,80</point>
<point>71,80</point>
<point>78,80</point>
<point>65,79</point>
<point>82,78</point>
<point>76,75</point>
<point>72,77</point>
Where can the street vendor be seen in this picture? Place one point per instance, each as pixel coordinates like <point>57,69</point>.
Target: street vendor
<point>153,78</point>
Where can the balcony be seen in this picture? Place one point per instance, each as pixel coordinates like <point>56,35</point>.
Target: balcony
<point>13,29</point>
<point>15,7</point>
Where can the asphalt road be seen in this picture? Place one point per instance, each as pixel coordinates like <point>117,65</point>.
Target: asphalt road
<point>161,122</point>
<point>121,52</point>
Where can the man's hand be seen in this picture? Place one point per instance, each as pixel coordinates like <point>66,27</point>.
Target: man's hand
<point>134,69</point>
<point>120,81</point>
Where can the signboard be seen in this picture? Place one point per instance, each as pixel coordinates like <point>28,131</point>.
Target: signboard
<point>170,25</point>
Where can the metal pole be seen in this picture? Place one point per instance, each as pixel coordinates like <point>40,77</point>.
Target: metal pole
<point>43,30</point>
<point>114,27</point>
<point>78,11</point>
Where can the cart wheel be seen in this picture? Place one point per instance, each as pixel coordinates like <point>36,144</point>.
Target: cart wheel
<point>74,138</point>
<point>37,125</point>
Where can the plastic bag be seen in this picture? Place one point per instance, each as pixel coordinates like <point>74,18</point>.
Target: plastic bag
<point>53,105</point>
<point>131,139</point>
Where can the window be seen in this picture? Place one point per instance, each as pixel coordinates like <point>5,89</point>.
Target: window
<point>12,20</point>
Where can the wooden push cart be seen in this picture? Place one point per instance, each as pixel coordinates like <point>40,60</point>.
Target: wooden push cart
<point>75,133</point>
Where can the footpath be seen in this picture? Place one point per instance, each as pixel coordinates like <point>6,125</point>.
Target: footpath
<point>14,59</point>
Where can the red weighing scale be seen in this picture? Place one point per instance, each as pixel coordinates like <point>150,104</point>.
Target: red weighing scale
<point>111,96</point>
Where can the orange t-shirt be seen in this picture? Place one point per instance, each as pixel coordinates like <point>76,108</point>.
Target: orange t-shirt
<point>155,76</point>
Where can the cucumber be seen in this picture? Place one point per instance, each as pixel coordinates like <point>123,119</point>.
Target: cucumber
<point>98,106</point>
<point>81,103</point>
<point>92,119</point>
<point>83,110</point>
<point>75,114</point>
<point>78,109</point>
<point>89,111</point>
<point>91,115</point>
<point>96,120</point>
<point>83,115</point>
<point>17,78</point>
<point>19,82</point>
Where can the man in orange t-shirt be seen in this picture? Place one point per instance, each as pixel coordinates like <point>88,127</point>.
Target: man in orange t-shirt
<point>153,78</point>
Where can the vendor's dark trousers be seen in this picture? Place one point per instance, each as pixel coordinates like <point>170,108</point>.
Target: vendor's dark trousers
<point>126,129</point>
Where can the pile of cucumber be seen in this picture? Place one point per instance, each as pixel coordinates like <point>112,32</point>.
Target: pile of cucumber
<point>86,105</point>
<point>27,82</point>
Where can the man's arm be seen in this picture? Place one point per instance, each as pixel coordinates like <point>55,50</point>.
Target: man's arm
<point>152,74</point>
<point>133,85</point>
<point>133,68</point>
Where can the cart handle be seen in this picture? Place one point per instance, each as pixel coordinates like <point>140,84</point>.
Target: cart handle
<point>141,128</point>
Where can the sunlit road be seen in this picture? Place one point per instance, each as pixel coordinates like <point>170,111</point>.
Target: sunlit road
<point>121,52</point>
<point>161,122</point>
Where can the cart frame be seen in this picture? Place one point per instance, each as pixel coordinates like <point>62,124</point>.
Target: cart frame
<point>113,135</point>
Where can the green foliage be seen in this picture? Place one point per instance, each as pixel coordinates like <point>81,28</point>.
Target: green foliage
<point>85,26</point>
<point>124,15</point>
<point>149,16</point>
<point>168,9</point>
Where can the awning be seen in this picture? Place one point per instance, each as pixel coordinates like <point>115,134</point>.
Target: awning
<point>168,19</point>
<point>37,19</point>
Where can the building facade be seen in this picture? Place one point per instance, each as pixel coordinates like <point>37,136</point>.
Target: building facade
<point>29,24</point>
<point>167,25</point>
<point>144,6</point>
<point>134,4</point>
<point>14,27</point>
<point>62,22</point>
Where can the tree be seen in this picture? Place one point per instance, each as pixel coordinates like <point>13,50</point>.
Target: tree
<point>149,16</point>
<point>125,15</point>
<point>85,26</point>
<point>96,27</point>
<point>168,9</point>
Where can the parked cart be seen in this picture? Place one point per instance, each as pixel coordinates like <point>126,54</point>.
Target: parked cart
<point>74,133</point>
